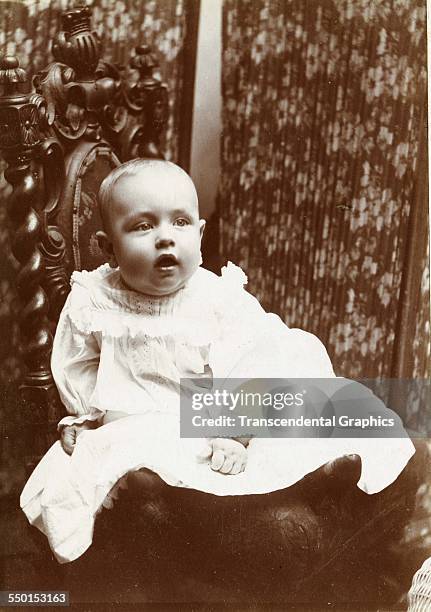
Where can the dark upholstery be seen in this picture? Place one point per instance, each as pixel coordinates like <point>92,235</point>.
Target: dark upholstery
<point>322,540</point>
<point>78,214</point>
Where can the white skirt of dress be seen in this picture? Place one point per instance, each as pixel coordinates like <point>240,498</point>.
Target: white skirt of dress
<point>64,493</point>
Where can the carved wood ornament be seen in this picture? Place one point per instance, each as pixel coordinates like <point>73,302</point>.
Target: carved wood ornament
<point>81,107</point>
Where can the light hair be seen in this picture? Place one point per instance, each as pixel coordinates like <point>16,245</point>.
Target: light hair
<point>165,169</point>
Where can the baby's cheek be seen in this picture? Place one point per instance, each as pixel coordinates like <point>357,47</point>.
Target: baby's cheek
<point>192,251</point>
<point>139,263</point>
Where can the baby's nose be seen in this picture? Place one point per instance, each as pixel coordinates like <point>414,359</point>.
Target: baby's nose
<point>164,240</point>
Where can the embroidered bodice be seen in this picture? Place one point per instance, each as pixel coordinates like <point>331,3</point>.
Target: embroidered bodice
<point>116,349</point>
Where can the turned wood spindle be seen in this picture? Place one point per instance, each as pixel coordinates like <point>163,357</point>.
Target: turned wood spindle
<point>19,139</point>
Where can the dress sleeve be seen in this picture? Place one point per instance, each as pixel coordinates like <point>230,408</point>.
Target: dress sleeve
<point>257,344</point>
<point>74,365</point>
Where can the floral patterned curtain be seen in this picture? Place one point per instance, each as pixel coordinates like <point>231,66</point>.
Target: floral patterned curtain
<point>324,104</point>
<point>26,30</point>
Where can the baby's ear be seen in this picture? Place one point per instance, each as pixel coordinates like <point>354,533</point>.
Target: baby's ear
<point>202,224</point>
<point>106,247</point>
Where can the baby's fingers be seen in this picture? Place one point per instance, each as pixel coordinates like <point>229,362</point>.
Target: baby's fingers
<point>227,466</point>
<point>68,439</point>
<point>217,460</point>
<point>238,467</point>
<point>68,447</point>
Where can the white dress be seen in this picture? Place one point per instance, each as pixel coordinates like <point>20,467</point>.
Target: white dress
<point>118,350</point>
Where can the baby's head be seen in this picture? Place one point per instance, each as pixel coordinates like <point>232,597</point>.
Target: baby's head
<point>152,230</point>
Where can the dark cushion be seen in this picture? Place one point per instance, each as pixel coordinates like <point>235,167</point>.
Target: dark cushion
<point>78,216</point>
<point>322,539</point>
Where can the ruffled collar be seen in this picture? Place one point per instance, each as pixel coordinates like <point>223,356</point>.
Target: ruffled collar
<point>103,304</point>
<point>107,291</point>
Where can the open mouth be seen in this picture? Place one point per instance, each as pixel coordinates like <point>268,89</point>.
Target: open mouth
<point>166,262</point>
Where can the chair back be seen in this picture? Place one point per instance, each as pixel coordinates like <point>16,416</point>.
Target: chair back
<point>60,137</point>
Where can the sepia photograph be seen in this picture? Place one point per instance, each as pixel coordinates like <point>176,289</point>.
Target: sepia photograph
<point>215,305</point>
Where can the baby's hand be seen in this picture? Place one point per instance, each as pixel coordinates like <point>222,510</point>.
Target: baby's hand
<point>69,434</point>
<point>227,456</point>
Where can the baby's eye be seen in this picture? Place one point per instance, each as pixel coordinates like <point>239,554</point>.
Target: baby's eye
<point>181,222</point>
<point>144,226</point>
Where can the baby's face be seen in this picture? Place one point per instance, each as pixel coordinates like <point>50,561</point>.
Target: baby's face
<point>155,232</point>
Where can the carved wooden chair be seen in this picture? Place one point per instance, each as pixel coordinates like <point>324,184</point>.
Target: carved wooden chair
<point>323,539</point>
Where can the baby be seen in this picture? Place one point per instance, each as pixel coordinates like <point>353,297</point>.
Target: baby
<point>152,233</point>
<point>131,330</point>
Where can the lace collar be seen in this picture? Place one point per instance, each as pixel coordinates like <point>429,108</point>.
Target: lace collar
<point>106,291</point>
<point>102,303</point>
